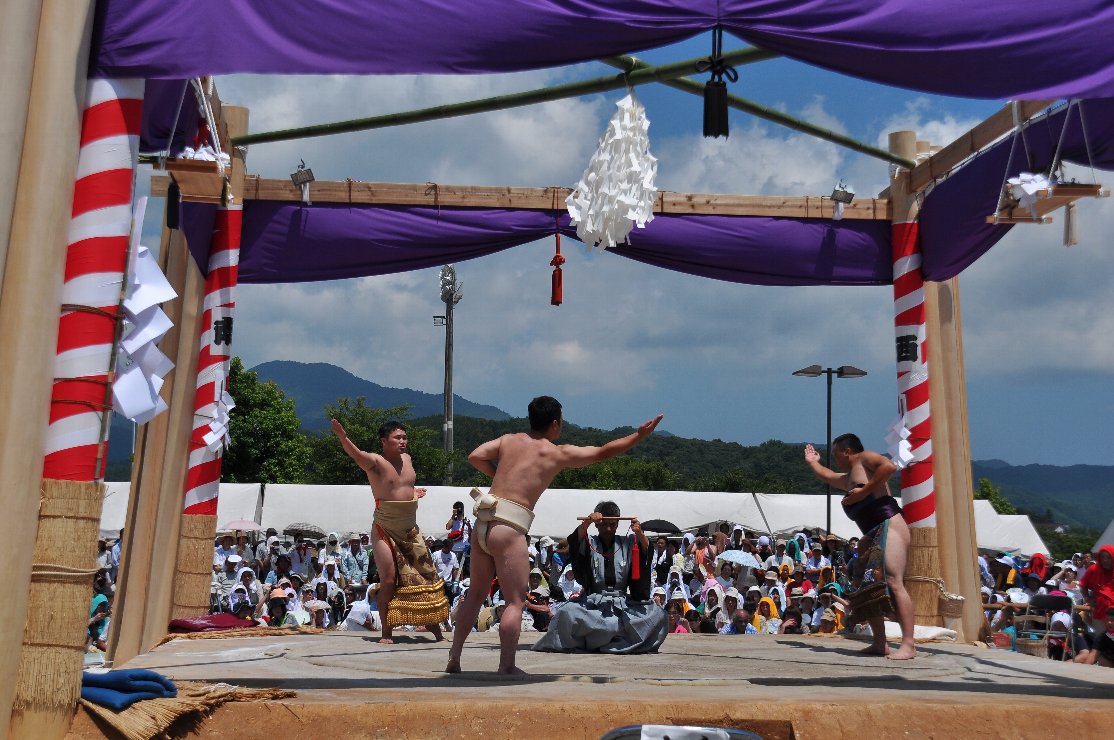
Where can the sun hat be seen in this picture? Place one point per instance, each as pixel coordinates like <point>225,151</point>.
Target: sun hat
<point>796,593</point>
<point>829,615</point>
<point>734,592</point>
<point>277,593</point>
<point>234,559</point>
<point>763,541</point>
<point>838,606</point>
<point>659,590</point>
<point>547,541</point>
<point>817,546</point>
<point>771,576</point>
<point>987,590</point>
<point>1005,560</point>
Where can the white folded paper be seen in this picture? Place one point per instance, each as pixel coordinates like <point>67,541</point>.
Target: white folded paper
<point>1027,186</point>
<point>617,189</point>
<point>897,440</point>
<point>148,286</point>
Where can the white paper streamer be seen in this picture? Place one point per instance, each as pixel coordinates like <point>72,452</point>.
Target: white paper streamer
<point>897,441</point>
<point>1026,188</point>
<point>141,366</point>
<point>617,189</point>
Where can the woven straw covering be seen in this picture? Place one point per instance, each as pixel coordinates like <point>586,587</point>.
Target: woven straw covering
<point>49,678</point>
<point>194,574</point>
<point>152,717</point>
<point>425,604</point>
<point>242,632</point>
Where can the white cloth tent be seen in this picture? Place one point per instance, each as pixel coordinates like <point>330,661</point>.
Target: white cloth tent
<point>350,509</point>
<point>1012,533</point>
<point>1107,537</point>
<point>236,501</point>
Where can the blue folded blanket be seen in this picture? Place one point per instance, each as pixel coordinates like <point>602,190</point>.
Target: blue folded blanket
<point>118,690</point>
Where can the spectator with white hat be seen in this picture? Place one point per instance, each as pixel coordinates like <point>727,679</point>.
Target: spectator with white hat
<point>225,580</point>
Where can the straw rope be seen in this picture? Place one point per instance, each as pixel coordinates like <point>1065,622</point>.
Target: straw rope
<point>45,571</point>
<point>151,718</point>
<point>242,632</point>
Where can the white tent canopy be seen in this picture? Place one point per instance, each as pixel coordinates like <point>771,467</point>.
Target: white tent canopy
<point>236,501</point>
<point>1107,537</point>
<point>350,508</point>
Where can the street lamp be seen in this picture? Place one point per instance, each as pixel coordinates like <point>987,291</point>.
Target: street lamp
<point>451,293</point>
<point>843,371</point>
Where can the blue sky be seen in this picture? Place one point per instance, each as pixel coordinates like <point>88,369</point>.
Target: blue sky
<point>633,340</point>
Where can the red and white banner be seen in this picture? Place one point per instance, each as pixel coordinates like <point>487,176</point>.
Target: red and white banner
<point>211,402</point>
<point>96,262</point>
<point>918,494</point>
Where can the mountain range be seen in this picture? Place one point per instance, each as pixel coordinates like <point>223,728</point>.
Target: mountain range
<point>1078,495</point>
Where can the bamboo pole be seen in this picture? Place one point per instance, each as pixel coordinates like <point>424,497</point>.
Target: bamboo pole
<point>640,76</point>
<point>951,443</point>
<point>631,64</point>
<point>48,684</point>
<point>31,297</point>
<point>18,37</point>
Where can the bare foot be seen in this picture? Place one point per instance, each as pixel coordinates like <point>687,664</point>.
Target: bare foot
<point>386,641</point>
<point>875,650</point>
<point>512,671</point>
<point>437,634</point>
<point>903,653</point>
<point>453,666</point>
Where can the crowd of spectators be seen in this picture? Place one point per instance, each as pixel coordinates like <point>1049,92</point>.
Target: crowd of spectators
<point>726,582</point>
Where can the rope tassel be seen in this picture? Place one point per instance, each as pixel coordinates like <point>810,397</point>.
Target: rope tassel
<point>557,289</point>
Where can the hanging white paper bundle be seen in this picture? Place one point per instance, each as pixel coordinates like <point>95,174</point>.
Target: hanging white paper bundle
<point>897,441</point>
<point>617,190</point>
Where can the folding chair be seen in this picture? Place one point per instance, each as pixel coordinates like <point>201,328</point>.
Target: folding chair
<point>1034,627</point>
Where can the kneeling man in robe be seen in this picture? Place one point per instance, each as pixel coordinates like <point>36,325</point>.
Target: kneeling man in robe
<point>614,613</point>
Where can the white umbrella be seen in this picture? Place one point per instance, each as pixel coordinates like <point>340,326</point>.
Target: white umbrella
<point>741,557</point>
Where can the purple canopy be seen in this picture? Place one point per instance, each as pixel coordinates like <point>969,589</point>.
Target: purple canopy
<point>951,47</point>
<point>290,242</point>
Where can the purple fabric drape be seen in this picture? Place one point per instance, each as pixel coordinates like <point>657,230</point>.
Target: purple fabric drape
<point>954,232</point>
<point>952,47</point>
<point>289,242</point>
<point>161,101</point>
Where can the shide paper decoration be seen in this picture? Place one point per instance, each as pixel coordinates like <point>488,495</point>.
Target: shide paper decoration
<point>141,366</point>
<point>617,190</point>
<point>897,443</point>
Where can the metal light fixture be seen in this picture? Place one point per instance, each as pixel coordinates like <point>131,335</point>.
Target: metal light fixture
<point>843,193</point>
<point>841,196</point>
<point>301,178</point>
<point>843,371</point>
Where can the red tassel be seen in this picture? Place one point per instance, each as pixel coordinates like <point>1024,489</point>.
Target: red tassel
<point>636,561</point>
<point>557,291</point>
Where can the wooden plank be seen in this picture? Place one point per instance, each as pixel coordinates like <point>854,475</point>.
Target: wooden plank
<point>970,143</point>
<point>476,196</point>
<point>1018,220</point>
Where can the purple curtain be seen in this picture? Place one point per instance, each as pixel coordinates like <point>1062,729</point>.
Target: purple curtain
<point>289,242</point>
<point>952,47</point>
<point>954,232</point>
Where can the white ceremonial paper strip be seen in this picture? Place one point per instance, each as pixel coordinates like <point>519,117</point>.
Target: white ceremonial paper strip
<point>149,326</point>
<point>617,189</point>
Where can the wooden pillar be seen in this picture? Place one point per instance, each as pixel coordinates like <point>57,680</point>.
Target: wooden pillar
<point>923,565</point>
<point>147,565</point>
<point>18,36</point>
<point>48,684</point>
<point>951,444</point>
<point>31,295</point>
<point>193,576</point>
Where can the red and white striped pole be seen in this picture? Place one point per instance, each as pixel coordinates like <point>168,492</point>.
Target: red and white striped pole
<point>214,360</point>
<point>96,265</point>
<point>918,494</point>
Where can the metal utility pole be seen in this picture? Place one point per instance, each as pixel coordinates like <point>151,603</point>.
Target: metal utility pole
<point>843,371</point>
<point>451,293</point>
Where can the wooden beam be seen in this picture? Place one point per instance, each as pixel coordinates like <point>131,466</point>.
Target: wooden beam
<point>970,143</point>
<point>432,195</point>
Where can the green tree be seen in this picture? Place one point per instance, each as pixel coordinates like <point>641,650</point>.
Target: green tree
<point>992,493</point>
<point>267,443</point>
<point>329,465</point>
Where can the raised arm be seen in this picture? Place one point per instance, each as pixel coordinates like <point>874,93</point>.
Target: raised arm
<point>366,460</point>
<point>484,457</point>
<point>826,475</point>
<point>573,456</point>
